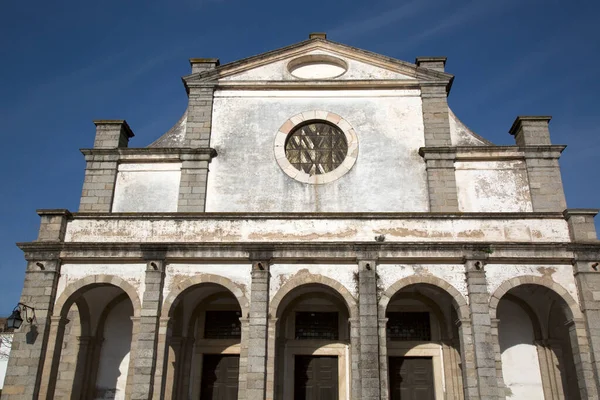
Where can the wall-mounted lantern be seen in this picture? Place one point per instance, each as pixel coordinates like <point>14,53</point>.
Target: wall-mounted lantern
<point>15,320</point>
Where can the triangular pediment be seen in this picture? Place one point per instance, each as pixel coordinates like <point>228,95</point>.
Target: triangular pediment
<point>318,59</point>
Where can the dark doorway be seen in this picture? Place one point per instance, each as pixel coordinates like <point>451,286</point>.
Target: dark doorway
<point>316,378</point>
<point>411,378</point>
<point>220,376</point>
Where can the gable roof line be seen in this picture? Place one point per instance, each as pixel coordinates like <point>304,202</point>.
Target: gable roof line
<point>419,72</point>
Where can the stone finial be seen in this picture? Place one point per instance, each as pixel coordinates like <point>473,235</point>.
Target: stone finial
<point>203,64</point>
<point>111,134</point>
<point>531,130</point>
<point>581,224</point>
<point>434,63</point>
<point>317,35</point>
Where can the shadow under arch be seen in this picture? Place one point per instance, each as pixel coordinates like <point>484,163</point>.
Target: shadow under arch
<point>458,300</point>
<point>77,288</point>
<point>569,305</point>
<point>189,283</point>
<point>303,279</point>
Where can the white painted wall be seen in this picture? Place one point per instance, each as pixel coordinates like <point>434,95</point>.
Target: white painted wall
<point>389,174</point>
<point>211,228</point>
<point>520,363</point>
<point>493,186</point>
<point>341,273</point>
<point>5,345</point>
<point>147,187</point>
<point>114,357</point>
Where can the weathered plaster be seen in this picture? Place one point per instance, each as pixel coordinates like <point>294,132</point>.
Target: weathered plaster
<point>493,186</point>
<point>237,273</point>
<point>278,70</point>
<point>148,187</point>
<point>520,362</point>
<point>246,177</point>
<point>342,273</point>
<point>454,274</point>
<point>461,135</point>
<point>496,274</point>
<point>284,229</point>
<point>132,273</point>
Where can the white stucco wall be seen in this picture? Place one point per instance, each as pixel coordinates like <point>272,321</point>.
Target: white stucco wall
<point>341,273</point>
<point>5,345</point>
<point>114,357</point>
<point>220,228</point>
<point>492,186</point>
<point>520,363</point>
<point>134,274</point>
<point>389,174</point>
<point>147,187</point>
<point>239,274</point>
<point>496,274</point>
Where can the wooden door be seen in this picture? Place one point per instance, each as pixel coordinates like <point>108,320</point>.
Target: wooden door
<point>316,378</point>
<point>411,378</point>
<point>220,376</point>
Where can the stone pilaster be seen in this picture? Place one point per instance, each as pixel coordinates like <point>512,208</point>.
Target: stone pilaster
<point>441,179</point>
<point>199,117</point>
<point>147,338</point>
<point>383,358</point>
<point>369,329</point>
<point>256,376</point>
<point>31,341</point>
<point>355,386</point>
<point>485,355</point>
<point>34,340</point>
<point>581,224</point>
<point>194,175</point>
<point>101,168</point>
<point>436,120</point>
<point>467,353</point>
<point>545,183</point>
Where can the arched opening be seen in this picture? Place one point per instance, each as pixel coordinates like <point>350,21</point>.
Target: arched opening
<point>93,343</point>
<point>312,344</point>
<point>534,326</point>
<point>423,345</point>
<point>202,359</point>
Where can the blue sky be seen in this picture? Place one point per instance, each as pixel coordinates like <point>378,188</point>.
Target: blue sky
<point>66,63</point>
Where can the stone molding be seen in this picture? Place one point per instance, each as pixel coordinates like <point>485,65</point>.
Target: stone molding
<point>460,303</point>
<point>199,279</point>
<point>316,116</point>
<point>66,296</point>
<point>572,308</point>
<point>301,279</point>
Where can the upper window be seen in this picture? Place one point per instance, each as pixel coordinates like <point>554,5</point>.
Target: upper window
<point>316,147</point>
<point>408,326</point>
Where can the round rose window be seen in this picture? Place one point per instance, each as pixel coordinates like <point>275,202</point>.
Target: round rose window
<point>316,147</point>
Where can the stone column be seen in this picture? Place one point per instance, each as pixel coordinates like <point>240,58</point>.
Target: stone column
<point>33,340</point>
<point>485,355</point>
<point>101,165</point>
<point>584,365</point>
<point>545,182</point>
<point>369,329</point>
<point>383,358</point>
<point>146,350</point>
<point>242,382</point>
<point>355,382</point>
<point>467,354</point>
<point>200,102</point>
<point>256,377</point>
<point>498,358</point>
<point>194,175</point>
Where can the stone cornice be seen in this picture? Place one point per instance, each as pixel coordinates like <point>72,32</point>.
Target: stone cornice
<point>149,154</point>
<point>475,153</point>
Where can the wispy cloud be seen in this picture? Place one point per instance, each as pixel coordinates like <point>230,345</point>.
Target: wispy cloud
<point>381,20</point>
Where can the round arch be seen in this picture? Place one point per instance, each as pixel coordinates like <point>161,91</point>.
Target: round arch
<point>303,279</point>
<point>67,297</point>
<point>462,309</point>
<point>570,305</point>
<point>195,280</point>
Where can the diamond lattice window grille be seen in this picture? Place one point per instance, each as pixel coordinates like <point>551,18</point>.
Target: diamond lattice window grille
<point>316,148</point>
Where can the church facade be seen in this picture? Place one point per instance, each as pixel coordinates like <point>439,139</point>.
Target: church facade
<point>318,225</point>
